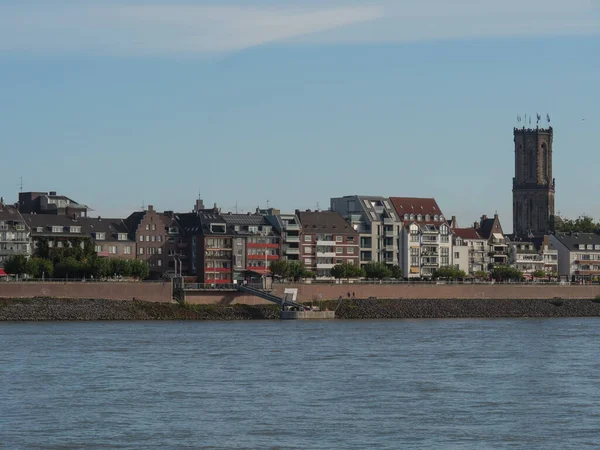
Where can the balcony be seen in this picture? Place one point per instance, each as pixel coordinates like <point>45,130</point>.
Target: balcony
<point>292,227</point>
<point>291,251</point>
<point>292,239</point>
<point>11,251</point>
<point>390,248</point>
<point>326,243</point>
<point>325,266</point>
<point>262,257</point>
<point>326,254</point>
<point>388,221</point>
<point>389,234</point>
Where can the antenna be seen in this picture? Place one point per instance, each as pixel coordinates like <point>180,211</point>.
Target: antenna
<point>268,202</point>
<point>518,118</point>
<point>538,117</point>
<point>548,117</point>
<point>21,183</point>
<point>236,206</point>
<point>318,206</point>
<point>143,205</point>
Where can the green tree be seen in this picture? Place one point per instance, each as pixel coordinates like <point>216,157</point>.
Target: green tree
<point>68,268</point>
<point>16,265</point>
<point>505,273</point>
<point>39,267</point>
<point>120,267</point>
<point>140,269</point>
<point>448,272</point>
<point>396,272</point>
<point>482,275</point>
<point>583,224</point>
<point>101,267</point>
<point>347,271</point>
<point>539,274</point>
<point>377,270</point>
<point>280,268</point>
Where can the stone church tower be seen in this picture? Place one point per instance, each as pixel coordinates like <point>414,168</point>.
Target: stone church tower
<point>533,185</point>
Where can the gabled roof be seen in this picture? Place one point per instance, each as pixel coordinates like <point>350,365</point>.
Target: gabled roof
<point>89,226</point>
<point>467,233</point>
<point>488,226</point>
<point>573,240</point>
<point>10,213</point>
<point>416,206</point>
<point>324,222</point>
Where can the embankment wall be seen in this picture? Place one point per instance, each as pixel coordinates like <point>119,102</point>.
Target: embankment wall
<point>149,292</point>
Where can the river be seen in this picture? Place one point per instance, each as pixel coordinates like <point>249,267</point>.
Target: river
<point>463,384</point>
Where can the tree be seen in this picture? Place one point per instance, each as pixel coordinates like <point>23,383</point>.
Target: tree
<point>338,271</point>
<point>39,268</point>
<point>583,224</point>
<point>120,267</point>
<point>140,269</point>
<point>377,270</point>
<point>68,268</point>
<point>280,268</point>
<point>16,265</point>
<point>396,272</point>
<point>539,274</point>
<point>503,273</point>
<point>101,267</point>
<point>448,272</point>
<point>481,274</point>
<point>346,270</point>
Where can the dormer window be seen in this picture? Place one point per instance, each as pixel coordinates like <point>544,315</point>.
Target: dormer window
<point>122,236</point>
<point>56,229</point>
<point>419,217</point>
<point>20,226</point>
<point>436,218</point>
<point>100,236</point>
<point>218,228</point>
<point>40,229</point>
<point>253,229</point>
<point>412,217</point>
<point>406,217</point>
<point>427,217</point>
<point>266,229</point>
<point>74,229</point>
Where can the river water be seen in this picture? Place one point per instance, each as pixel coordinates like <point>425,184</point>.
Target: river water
<point>344,384</point>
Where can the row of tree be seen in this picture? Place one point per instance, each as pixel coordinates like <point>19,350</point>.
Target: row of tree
<point>71,267</point>
<point>583,224</point>
<point>294,270</point>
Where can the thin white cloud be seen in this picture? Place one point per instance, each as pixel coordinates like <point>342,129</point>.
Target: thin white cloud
<point>133,28</point>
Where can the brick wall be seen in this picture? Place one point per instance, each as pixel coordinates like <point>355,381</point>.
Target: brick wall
<point>149,292</point>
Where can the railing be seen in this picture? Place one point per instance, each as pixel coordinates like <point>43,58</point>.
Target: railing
<point>210,287</point>
<point>431,282</point>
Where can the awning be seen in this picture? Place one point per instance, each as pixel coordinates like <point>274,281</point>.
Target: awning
<point>498,236</point>
<point>2,273</point>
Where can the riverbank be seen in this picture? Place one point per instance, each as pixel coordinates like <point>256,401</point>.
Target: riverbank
<point>44,309</point>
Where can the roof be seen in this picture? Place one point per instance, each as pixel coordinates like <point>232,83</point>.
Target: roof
<point>111,227</point>
<point>244,219</point>
<point>414,205</point>
<point>9,213</point>
<point>573,240</point>
<point>467,233</point>
<point>488,226</point>
<point>324,221</point>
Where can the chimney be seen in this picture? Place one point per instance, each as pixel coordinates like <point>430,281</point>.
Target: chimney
<point>150,208</point>
<point>99,219</point>
<point>1,202</point>
<point>496,216</point>
<point>453,220</point>
<point>475,225</point>
<point>484,217</point>
<point>257,210</point>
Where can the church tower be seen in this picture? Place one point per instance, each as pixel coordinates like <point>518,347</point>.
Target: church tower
<point>533,185</point>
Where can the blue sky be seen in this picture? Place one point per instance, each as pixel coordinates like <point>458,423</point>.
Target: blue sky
<point>121,103</point>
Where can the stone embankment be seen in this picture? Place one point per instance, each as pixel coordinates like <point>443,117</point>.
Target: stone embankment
<point>40,309</point>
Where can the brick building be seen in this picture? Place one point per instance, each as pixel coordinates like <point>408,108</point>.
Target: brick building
<point>14,233</point>
<point>326,240</point>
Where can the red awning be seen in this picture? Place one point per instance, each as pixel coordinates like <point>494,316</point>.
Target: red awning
<point>2,273</point>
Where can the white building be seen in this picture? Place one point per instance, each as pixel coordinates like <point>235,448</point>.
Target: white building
<point>578,255</point>
<point>425,243</point>
<point>477,249</point>
<point>15,237</point>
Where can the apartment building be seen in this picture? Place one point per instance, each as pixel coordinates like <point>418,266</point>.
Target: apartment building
<point>14,233</point>
<point>288,227</point>
<point>50,203</point>
<point>377,224</point>
<point>425,241</point>
<point>533,255</point>
<point>491,230</point>
<point>578,255</point>
<point>327,240</point>
<point>108,236</point>
<point>477,249</point>
<point>154,234</point>
<point>255,245</point>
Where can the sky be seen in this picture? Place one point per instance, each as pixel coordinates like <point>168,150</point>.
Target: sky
<point>124,103</point>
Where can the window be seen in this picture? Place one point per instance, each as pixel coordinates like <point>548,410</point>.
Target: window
<point>40,229</point>
<point>374,215</point>
<point>307,261</point>
<point>444,238</point>
<point>419,217</point>
<point>127,250</point>
<point>253,229</point>
<point>339,250</point>
<point>456,255</point>
<point>112,249</point>
<point>57,229</point>
<point>160,250</point>
<point>122,236</point>
<point>147,227</point>
<point>100,236</point>
<point>339,261</point>
<point>306,249</point>
<point>98,248</point>
<point>141,250</point>
<point>159,263</point>
<point>350,261</point>
<point>159,238</point>
<point>148,238</point>
<point>153,227</point>
<point>141,238</point>
<point>350,250</point>
<point>339,239</point>
<point>75,229</point>
<point>307,238</point>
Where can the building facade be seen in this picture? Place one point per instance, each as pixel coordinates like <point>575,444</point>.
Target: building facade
<point>154,234</point>
<point>534,255</point>
<point>578,255</point>
<point>533,184</point>
<point>477,249</point>
<point>426,239</point>
<point>288,227</point>
<point>376,222</point>
<point>326,241</point>
<point>15,236</point>
<point>50,203</point>
<point>490,229</point>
